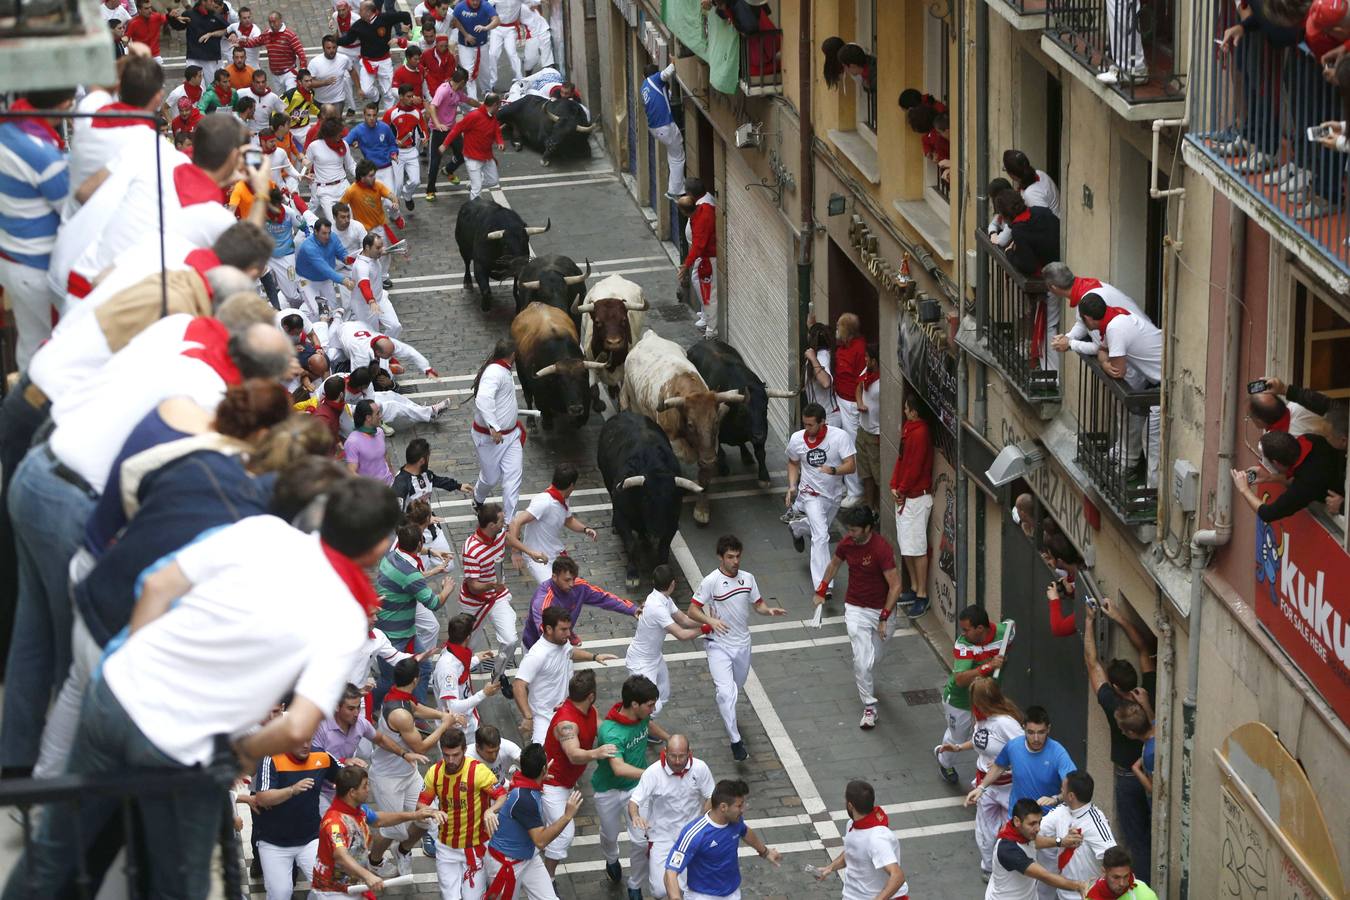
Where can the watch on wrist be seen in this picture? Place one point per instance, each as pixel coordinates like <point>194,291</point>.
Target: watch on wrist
<point>1059,842</point>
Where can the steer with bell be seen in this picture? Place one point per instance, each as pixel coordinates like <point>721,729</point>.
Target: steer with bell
<point>494,242</point>
<point>553,373</point>
<point>611,320</point>
<point>724,369</point>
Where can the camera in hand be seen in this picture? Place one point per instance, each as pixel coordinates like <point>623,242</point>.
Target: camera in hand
<point>1258,386</point>
<point>253,158</point>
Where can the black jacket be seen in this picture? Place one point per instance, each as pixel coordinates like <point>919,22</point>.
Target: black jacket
<point>201,23</point>
<point>1322,470</point>
<point>374,36</point>
<point>1035,240</point>
<point>406,486</point>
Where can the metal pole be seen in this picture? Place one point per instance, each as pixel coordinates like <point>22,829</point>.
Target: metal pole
<point>807,179</point>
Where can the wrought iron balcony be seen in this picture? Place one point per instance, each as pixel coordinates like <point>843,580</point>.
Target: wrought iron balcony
<point>1129,48</point>
<point>1114,425</point>
<point>1251,106</point>
<point>1010,331</point>
<point>762,63</point>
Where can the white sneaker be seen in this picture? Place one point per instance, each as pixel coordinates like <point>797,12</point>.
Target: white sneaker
<point>1110,76</point>
<point>851,501</point>
<point>402,861</point>
<point>869,718</point>
<point>1256,161</point>
<point>700,322</point>
<point>1300,180</point>
<point>438,408</point>
<point>387,429</point>
<point>1280,175</point>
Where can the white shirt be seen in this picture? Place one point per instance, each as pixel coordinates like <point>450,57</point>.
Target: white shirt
<point>658,614</point>
<point>323,68</point>
<point>328,166</point>
<point>989,737</point>
<point>365,271</point>
<point>117,14</point>
<point>265,105</point>
<point>1042,192</point>
<point>1085,864</point>
<point>376,646</point>
<point>451,694</point>
<point>282,167</point>
<point>351,238</point>
<point>1140,343</point>
<point>870,421</point>
<point>266,613</point>
<point>508,760</point>
<point>546,668</point>
<point>833,448</point>
<point>1009,884</point>
<point>1086,341</point>
<point>250,53</point>
<point>867,851</point>
<point>495,404</point>
<point>507,10</point>
<point>814,392</point>
<point>545,532</point>
<point>729,598</point>
<point>669,802</point>
<point>355,338</point>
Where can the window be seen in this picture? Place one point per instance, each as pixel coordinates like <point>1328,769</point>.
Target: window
<point>937,48</point>
<point>866,37</point>
<point>1321,337</point>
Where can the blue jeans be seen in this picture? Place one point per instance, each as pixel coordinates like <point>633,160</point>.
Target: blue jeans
<point>50,514</point>
<point>19,420</point>
<point>384,680</point>
<point>177,831</point>
<point>1134,814</point>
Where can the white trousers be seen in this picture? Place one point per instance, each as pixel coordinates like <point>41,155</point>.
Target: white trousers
<point>377,86</point>
<point>315,296</point>
<point>428,628</point>
<point>482,173</point>
<point>656,866</point>
<point>659,675</point>
<point>868,647</point>
<point>670,136</point>
<point>279,865</point>
<point>283,270</point>
<point>501,38</point>
<point>730,666</point>
<point>531,878</point>
<point>705,290</point>
<point>398,408</point>
<point>612,807</point>
<point>281,83</point>
<point>820,512</point>
<point>1050,358</point>
<point>848,420</point>
<point>554,801</point>
<point>503,617</point>
<point>1122,31</point>
<point>380,318</point>
<point>407,173</point>
<point>397,794</point>
<point>540,571</point>
<point>499,464</point>
<point>991,811</point>
<point>538,734</point>
<point>324,196</point>
<point>209,67</point>
<point>480,82</point>
<point>32,299</point>
<point>452,875</point>
<point>960,724</point>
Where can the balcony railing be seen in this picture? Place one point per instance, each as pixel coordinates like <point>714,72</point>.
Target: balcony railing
<point>1133,38</point>
<point>66,797</point>
<point>762,62</point>
<point>1114,424</point>
<point>1250,109</point>
<point>1010,330</point>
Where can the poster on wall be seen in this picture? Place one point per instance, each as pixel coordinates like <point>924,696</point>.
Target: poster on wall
<point>1303,599</point>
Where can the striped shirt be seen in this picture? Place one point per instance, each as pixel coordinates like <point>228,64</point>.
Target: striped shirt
<point>401,587</point>
<point>33,185</point>
<point>481,558</point>
<point>463,796</point>
<point>285,53</point>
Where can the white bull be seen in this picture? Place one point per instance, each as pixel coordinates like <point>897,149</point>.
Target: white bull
<point>612,315</point>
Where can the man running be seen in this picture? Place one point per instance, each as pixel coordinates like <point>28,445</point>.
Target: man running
<point>723,602</point>
<point>626,726</point>
<point>979,651</point>
<point>483,592</point>
<point>537,531</point>
<point>513,865</point>
<point>871,857</point>
<point>568,592</point>
<point>464,790</point>
<point>672,791</point>
<point>818,458</point>
<point>451,677</point>
<point>498,438</point>
<point>495,752</point>
<point>542,680</point>
<point>570,747</point>
<point>1015,868</point>
<point>659,617</point>
<point>707,848</point>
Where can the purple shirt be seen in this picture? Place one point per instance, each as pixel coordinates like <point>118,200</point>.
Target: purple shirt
<point>582,594</point>
<point>447,101</point>
<point>366,451</point>
<point>341,745</point>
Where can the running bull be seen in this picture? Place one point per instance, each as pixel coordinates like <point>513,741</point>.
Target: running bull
<point>553,373</point>
<point>611,321</point>
<point>555,127</point>
<point>724,369</point>
<point>494,242</point>
<point>553,280</point>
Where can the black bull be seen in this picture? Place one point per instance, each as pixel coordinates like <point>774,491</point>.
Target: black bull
<point>554,127</point>
<point>723,369</point>
<point>494,242</point>
<point>645,487</point>
<point>554,280</point>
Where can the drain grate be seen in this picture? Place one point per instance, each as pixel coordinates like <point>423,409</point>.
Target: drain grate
<point>923,697</point>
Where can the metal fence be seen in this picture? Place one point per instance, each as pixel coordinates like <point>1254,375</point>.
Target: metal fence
<point>1114,425</point>
<point>1252,104</point>
<point>762,62</point>
<point>1010,325</point>
<point>1134,38</point>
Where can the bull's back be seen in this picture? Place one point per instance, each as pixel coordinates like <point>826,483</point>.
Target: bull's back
<point>539,323</point>
<point>656,369</point>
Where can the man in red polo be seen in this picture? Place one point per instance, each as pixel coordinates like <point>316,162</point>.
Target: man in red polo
<point>146,27</point>
<point>482,130</point>
<point>570,749</point>
<point>911,489</point>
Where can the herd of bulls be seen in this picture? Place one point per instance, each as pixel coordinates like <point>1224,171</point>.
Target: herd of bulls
<point>580,351</point>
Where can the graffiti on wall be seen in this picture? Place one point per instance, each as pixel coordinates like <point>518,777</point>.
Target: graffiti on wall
<point>944,578</point>
<point>1252,865</point>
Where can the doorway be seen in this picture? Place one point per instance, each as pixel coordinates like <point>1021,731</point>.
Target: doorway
<point>851,291</point>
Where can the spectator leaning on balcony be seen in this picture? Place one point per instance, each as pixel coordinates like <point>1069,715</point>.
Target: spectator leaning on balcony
<point>1311,469</point>
<point>1035,233</point>
<point>1256,39</point>
<point>751,19</point>
<point>1060,281</point>
<point>848,59</point>
<point>1299,411</point>
<point>1037,187</point>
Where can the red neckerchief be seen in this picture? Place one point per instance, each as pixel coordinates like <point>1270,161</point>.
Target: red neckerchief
<point>339,146</point>
<point>396,695</point>
<point>308,95</point>
<point>194,186</point>
<point>1304,448</point>
<point>266,90</point>
<point>415,560</point>
<point>1282,423</point>
<point>431,11</point>
<point>1111,313</point>
<point>212,339</point>
<point>38,128</point>
<point>1080,287</point>
<point>503,363</point>
<point>355,578</point>
<point>201,261</point>
<point>465,657</point>
<point>222,98</point>
<point>614,715</point>
<point>1100,891</point>
<point>519,780</point>
<point>295,759</point>
<point>869,378</point>
<point>344,21</point>
<point>193,92</point>
<point>680,774</point>
<point>875,819</point>
<point>344,808</point>
<point>819,437</point>
<point>121,123</point>
<point>556,495</point>
<point>1009,832</point>
<point>1023,216</point>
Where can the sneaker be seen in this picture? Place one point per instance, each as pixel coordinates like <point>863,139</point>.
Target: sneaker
<point>1110,76</point>
<point>507,692</point>
<point>388,430</point>
<point>1233,147</point>
<point>1256,161</point>
<point>430,197</point>
<point>411,205</point>
<point>851,501</point>
<point>402,861</point>
<point>1299,181</point>
<point>869,718</point>
<point>438,408</point>
<point>948,773</point>
<point>738,752</point>
<point>454,179</point>
<point>799,543</point>
<point>388,284</point>
<point>429,846</point>
<point>672,196</point>
<point>1280,175</point>
<point>700,322</point>
<point>710,334</point>
<point>614,871</point>
<point>917,608</point>
<point>634,894</point>
<point>1313,208</point>
<point>792,515</point>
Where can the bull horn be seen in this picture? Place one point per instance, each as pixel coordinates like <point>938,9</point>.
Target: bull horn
<point>632,307</point>
<point>633,481</point>
<point>547,371</point>
<point>730,397</point>
<point>496,235</point>
<point>593,364</point>
<point>670,403</point>
<point>587,129</point>
<point>582,308</point>
<point>536,229</point>
<point>692,487</point>
<point>551,117</point>
<point>578,279</point>
<point>780,395</point>
<point>529,285</point>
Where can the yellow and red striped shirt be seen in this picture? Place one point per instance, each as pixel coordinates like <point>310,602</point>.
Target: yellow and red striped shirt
<point>463,796</point>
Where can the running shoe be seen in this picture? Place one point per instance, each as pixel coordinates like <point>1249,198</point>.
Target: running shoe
<point>614,871</point>
<point>869,718</point>
<point>738,752</point>
<point>948,773</point>
<point>430,197</point>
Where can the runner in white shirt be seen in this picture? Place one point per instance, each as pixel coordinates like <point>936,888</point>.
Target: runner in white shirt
<point>450,678</point>
<point>1075,835</point>
<point>332,74</point>
<point>541,681</point>
<point>266,102</point>
<point>498,754</point>
<point>483,593</point>
<point>660,616</point>
<point>672,792</point>
<point>1017,875</point>
<point>818,458</point>
<point>246,29</point>
<point>537,531</point>
<point>331,172</point>
<point>368,302</point>
<point>505,35</point>
<point>114,11</point>
<point>350,232</point>
<point>541,35</point>
<point>723,602</point>
<point>871,856</point>
<point>498,436</point>
<point>355,343</point>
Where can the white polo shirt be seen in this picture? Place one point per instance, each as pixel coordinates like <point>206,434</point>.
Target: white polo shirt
<point>508,760</point>
<point>365,273</point>
<point>323,68</point>
<point>989,737</point>
<point>1084,862</point>
<point>455,696</point>
<point>376,646</point>
<point>1140,342</point>
<point>106,139</point>
<point>250,53</point>
<point>658,614</point>
<point>351,238</point>
<point>494,406</point>
<point>545,532</point>
<point>669,802</point>
<point>1086,341</point>
<point>263,107</point>
<point>266,613</point>
<point>870,421</point>
<point>831,449</point>
<point>729,598</point>
<point>866,852</point>
<point>330,166</point>
<point>355,338</point>
<point>546,668</point>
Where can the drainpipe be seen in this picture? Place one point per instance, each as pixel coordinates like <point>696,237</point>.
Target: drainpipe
<point>962,376</point>
<point>982,202</point>
<point>1203,542</point>
<point>1162,786</point>
<point>806,237</point>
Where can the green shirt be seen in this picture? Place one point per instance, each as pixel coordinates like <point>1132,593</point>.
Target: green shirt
<point>968,656</point>
<point>631,739</point>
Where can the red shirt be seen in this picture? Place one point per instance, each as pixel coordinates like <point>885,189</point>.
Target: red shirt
<point>437,68</point>
<point>867,567</point>
<point>561,770</point>
<point>936,145</point>
<point>403,75</point>
<point>285,53</point>
<point>849,361</point>
<point>407,123</point>
<point>187,125</point>
<point>702,233</point>
<point>480,132</point>
<point>146,30</point>
<point>913,472</point>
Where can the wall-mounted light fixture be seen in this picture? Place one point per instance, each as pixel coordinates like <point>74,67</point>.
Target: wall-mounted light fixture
<point>837,205</point>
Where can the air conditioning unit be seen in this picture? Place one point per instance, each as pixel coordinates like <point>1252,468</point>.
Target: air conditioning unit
<point>747,135</point>
<point>660,51</point>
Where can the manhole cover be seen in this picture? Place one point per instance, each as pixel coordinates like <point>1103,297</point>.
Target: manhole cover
<point>923,697</point>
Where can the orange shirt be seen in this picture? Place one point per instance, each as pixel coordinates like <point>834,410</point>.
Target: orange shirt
<point>241,198</point>
<point>368,203</point>
<point>240,78</point>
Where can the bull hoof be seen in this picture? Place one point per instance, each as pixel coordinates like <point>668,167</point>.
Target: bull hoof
<point>485,302</point>
<point>631,578</point>
<point>764,483</point>
<point>702,514</point>
<point>543,162</point>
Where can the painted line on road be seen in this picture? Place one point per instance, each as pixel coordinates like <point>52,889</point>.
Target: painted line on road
<point>599,491</point>
<point>603,507</point>
<point>451,288</point>
<point>456,276</point>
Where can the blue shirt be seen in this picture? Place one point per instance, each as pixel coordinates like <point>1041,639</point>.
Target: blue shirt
<point>1147,755</point>
<point>1035,775</point>
<point>317,261</point>
<point>283,234</point>
<point>376,144</point>
<point>471,18</point>
<point>518,815</point>
<point>708,852</point>
<point>34,182</point>
<point>656,99</point>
